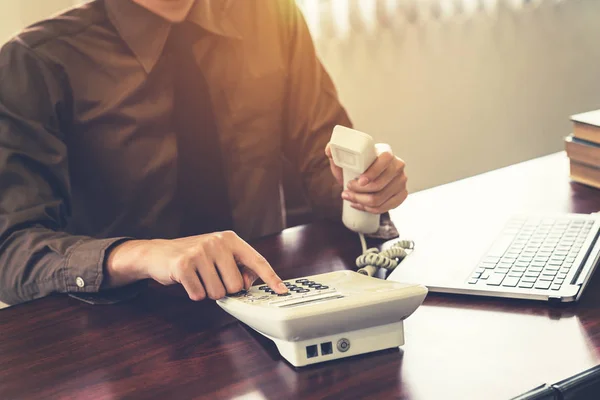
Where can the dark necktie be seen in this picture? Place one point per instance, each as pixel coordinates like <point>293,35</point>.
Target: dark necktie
<point>202,186</point>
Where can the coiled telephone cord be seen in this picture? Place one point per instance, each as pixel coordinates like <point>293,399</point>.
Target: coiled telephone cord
<point>372,259</point>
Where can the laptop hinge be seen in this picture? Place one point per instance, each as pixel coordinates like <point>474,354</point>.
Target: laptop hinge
<point>580,277</point>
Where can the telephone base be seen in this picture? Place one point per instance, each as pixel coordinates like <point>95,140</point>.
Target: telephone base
<point>346,344</point>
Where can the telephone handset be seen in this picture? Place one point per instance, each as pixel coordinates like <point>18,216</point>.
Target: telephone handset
<point>354,152</point>
<point>338,314</point>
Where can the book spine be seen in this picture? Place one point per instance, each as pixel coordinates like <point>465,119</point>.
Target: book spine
<point>590,133</point>
<point>583,153</point>
<point>585,174</point>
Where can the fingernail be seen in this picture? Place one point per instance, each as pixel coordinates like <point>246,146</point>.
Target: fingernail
<point>281,286</point>
<point>363,181</point>
<point>345,196</point>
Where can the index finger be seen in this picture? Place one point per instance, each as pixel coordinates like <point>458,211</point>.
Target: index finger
<point>251,259</point>
<point>381,163</point>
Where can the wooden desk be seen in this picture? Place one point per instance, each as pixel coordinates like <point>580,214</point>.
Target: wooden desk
<point>162,345</point>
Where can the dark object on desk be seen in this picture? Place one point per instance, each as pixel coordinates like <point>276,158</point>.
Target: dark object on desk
<point>543,392</point>
<point>585,385</point>
<point>387,230</point>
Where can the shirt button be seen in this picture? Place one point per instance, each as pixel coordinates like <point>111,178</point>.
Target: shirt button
<point>80,282</point>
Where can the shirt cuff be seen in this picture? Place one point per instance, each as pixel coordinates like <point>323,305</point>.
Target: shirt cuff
<point>84,269</point>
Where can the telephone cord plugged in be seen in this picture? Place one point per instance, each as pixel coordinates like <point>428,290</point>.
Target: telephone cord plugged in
<point>372,259</point>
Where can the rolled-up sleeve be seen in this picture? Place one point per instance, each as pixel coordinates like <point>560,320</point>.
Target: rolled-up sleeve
<point>313,110</point>
<point>37,257</point>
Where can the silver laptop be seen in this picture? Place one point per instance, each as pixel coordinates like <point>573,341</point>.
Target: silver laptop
<point>538,257</point>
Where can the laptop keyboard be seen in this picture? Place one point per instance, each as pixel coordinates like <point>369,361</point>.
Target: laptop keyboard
<point>533,253</point>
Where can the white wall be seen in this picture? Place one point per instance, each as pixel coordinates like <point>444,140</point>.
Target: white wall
<point>15,14</point>
<point>457,97</point>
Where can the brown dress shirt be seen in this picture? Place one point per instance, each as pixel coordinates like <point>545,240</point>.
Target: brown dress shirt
<point>88,153</point>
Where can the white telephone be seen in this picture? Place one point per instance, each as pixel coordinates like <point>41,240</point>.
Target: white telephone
<point>328,316</point>
<point>338,314</point>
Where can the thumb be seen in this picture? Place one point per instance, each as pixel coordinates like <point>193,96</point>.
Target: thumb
<point>248,276</point>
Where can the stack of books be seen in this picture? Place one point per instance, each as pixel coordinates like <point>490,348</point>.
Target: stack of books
<point>583,148</point>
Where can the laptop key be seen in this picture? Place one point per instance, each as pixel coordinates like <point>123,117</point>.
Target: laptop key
<point>510,281</point>
<point>472,281</point>
<point>520,263</point>
<point>495,279</point>
<point>538,264</point>
<point>526,285</point>
<point>543,284</point>
<point>530,279</point>
<point>555,287</point>
<point>491,259</point>
<point>485,275</point>
<point>549,273</point>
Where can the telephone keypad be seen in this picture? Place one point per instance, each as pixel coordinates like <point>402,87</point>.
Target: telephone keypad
<point>298,288</point>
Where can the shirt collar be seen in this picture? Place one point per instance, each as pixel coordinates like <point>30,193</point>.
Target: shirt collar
<point>146,33</point>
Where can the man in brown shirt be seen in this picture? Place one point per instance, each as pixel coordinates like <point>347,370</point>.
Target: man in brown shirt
<point>88,153</point>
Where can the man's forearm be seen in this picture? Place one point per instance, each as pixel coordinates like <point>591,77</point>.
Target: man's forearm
<point>122,264</point>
